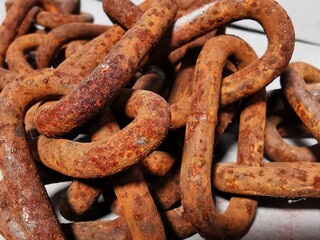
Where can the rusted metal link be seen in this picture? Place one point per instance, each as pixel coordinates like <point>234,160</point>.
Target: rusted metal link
<point>105,158</point>
<point>26,194</point>
<point>11,24</point>
<point>48,5</point>
<point>157,163</point>
<point>137,205</point>
<point>153,79</point>
<point>181,96</point>
<point>6,77</point>
<point>124,12</point>
<point>51,6</point>
<point>73,47</point>
<point>81,196</point>
<point>70,6</point>
<point>219,13</point>
<point>28,21</point>
<point>9,226</point>
<point>115,229</point>
<point>196,166</point>
<point>278,179</point>
<point>176,223</point>
<point>18,14</point>
<point>102,75</point>
<point>90,55</point>
<point>182,86</point>
<point>77,204</point>
<point>251,130</point>
<point>294,81</point>
<point>8,4</point>
<point>278,150</point>
<point>53,20</point>
<point>176,55</point>
<point>93,53</point>
<point>130,187</point>
<point>291,125</point>
<point>61,35</point>
<point>98,230</point>
<point>104,83</point>
<point>15,56</point>
<point>166,190</point>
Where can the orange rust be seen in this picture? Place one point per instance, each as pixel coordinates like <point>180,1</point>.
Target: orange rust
<point>293,81</point>
<point>11,24</point>
<point>104,83</point>
<point>196,166</point>
<point>15,56</point>
<point>278,179</point>
<point>278,150</point>
<point>53,20</point>
<point>62,34</point>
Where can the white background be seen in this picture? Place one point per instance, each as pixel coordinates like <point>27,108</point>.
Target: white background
<point>275,218</point>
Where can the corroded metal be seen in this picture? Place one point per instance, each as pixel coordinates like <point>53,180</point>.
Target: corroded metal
<point>219,13</point>
<point>278,179</point>
<point>156,195</point>
<point>11,24</point>
<point>196,166</point>
<point>279,150</point>
<point>104,83</point>
<point>15,56</point>
<point>26,194</point>
<point>294,81</point>
<point>105,158</point>
<point>53,20</point>
<point>62,34</point>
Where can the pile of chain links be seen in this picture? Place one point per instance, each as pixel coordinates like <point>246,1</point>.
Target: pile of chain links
<point>134,112</point>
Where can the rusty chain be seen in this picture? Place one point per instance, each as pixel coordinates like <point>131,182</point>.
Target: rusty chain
<point>152,94</point>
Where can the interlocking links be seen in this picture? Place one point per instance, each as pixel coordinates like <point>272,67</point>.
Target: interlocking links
<point>294,81</point>
<point>277,179</point>
<point>85,60</point>
<point>61,35</point>
<point>81,195</point>
<point>176,55</point>
<point>28,21</point>
<point>252,129</point>
<point>180,95</point>
<point>104,83</point>
<point>15,56</point>
<point>219,13</point>
<point>91,54</point>
<point>278,150</point>
<point>11,24</point>
<point>196,166</point>
<point>116,153</point>
<point>26,194</point>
